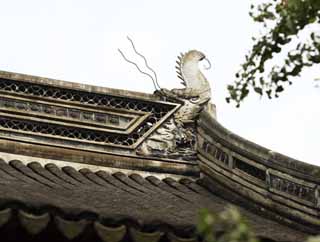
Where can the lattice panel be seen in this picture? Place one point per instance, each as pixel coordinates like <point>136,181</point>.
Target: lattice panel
<point>56,112</point>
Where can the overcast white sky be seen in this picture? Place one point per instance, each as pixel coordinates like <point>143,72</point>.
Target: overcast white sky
<point>77,40</point>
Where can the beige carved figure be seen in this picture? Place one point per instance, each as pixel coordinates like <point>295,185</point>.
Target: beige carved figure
<point>176,137</point>
<point>192,78</point>
<point>197,91</point>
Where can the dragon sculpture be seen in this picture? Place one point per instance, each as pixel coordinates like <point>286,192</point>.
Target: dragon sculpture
<point>176,137</point>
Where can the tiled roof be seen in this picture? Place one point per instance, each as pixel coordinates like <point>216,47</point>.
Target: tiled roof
<point>111,207</point>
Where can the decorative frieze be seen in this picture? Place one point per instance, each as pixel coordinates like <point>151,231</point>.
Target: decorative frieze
<point>273,181</point>
<point>75,114</point>
<point>292,188</point>
<point>65,132</point>
<point>216,152</point>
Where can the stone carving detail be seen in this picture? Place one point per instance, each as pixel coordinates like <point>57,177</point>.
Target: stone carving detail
<point>292,188</point>
<point>176,138</point>
<point>171,140</point>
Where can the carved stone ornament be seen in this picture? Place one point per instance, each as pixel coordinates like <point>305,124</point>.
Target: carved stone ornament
<point>176,138</point>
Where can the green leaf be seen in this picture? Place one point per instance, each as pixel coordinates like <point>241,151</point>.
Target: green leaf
<point>258,90</point>
<point>279,88</point>
<point>282,23</point>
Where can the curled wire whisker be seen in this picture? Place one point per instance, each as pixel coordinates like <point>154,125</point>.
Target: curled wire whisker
<point>145,61</point>
<point>209,66</point>
<point>131,62</point>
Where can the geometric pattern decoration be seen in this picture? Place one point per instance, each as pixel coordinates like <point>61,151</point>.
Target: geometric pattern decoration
<point>41,110</point>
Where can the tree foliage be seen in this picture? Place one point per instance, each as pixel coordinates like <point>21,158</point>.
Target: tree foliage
<point>314,239</point>
<point>231,223</point>
<point>282,22</point>
<point>234,226</point>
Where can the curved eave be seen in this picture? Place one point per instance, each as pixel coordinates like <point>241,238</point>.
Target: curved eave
<point>269,157</point>
<point>279,183</point>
